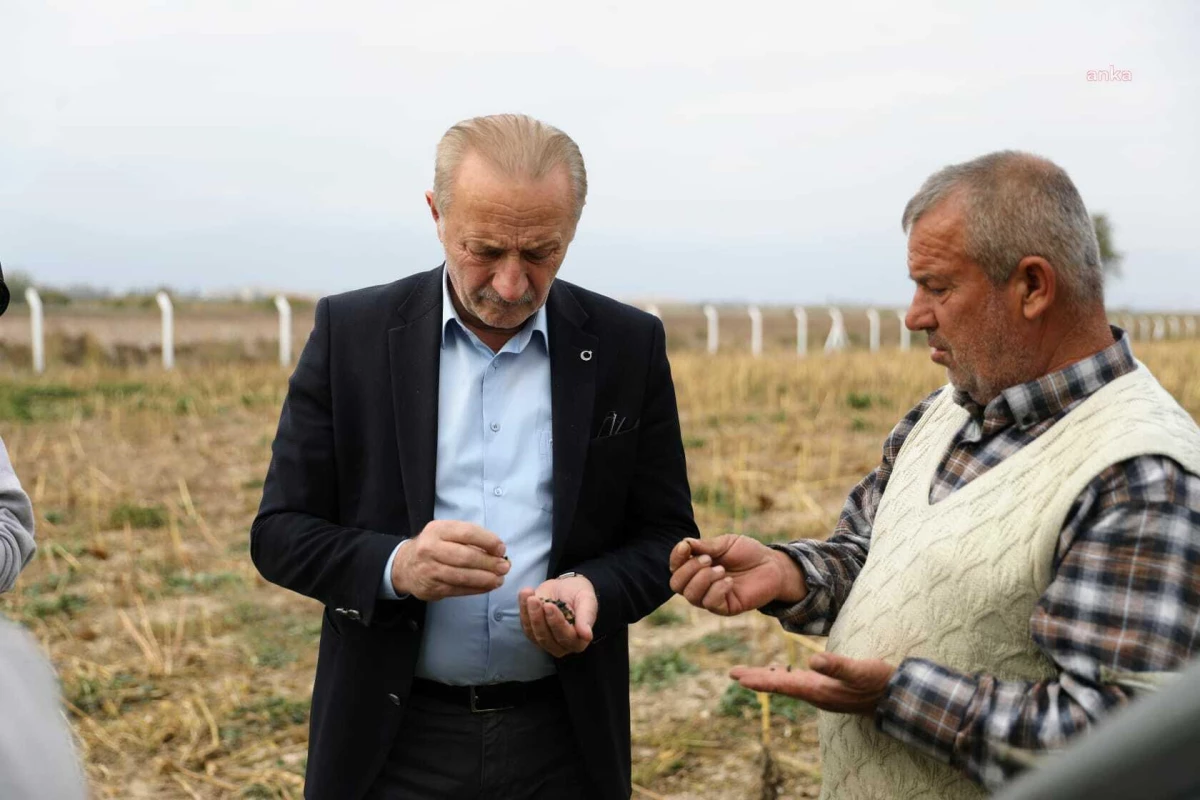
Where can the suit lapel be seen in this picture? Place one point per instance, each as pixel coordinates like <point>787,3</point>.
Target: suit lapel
<point>414,350</point>
<point>572,395</point>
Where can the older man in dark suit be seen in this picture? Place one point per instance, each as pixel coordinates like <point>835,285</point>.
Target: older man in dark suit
<point>479,472</point>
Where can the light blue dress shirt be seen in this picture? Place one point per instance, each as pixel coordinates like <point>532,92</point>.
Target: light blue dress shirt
<point>495,469</point>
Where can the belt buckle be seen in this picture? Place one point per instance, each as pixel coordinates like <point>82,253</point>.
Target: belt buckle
<point>476,709</point>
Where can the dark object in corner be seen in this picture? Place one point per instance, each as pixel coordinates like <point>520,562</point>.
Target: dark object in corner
<point>4,293</point>
<point>1147,751</point>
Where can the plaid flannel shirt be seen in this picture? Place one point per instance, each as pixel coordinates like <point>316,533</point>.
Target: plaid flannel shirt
<point>1125,596</point>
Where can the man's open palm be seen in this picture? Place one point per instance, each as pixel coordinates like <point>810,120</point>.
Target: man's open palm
<point>834,682</point>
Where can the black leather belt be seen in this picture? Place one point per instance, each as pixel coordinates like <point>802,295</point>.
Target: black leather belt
<point>489,697</point>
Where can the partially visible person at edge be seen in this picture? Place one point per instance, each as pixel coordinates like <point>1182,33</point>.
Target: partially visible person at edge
<point>37,758</point>
<point>17,545</point>
<point>1026,558</point>
<point>459,453</point>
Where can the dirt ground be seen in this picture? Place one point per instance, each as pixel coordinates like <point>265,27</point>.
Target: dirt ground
<point>186,675</point>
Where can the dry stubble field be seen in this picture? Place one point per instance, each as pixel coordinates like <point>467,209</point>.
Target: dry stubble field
<point>187,676</point>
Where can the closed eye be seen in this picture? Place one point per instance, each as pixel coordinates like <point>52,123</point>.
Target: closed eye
<point>936,291</point>
<point>536,256</point>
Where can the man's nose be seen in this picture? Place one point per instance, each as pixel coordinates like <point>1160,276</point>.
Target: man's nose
<point>919,316</point>
<point>510,280</point>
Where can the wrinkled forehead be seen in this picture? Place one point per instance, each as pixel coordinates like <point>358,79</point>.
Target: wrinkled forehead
<point>946,219</point>
<point>937,241</point>
<point>507,222</point>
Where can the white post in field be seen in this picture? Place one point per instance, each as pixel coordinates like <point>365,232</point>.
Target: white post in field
<point>37,331</point>
<point>1189,327</point>
<point>1160,328</point>
<point>905,333</point>
<point>168,329</point>
<point>873,321</point>
<point>837,331</point>
<point>755,331</point>
<point>653,309</point>
<point>1143,329</point>
<point>1129,324</point>
<point>710,314</point>
<point>1173,327</point>
<point>285,330</point>
<point>801,331</point>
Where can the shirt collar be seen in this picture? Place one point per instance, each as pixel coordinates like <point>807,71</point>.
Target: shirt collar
<point>534,325</point>
<point>1027,404</point>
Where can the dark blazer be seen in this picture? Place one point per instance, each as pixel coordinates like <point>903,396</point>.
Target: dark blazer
<point>352,472</point>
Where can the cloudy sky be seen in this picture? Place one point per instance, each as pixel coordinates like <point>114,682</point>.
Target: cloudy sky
<point>736,150</point>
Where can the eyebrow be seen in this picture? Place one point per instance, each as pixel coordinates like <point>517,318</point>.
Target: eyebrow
<point>494,245</point>
<point>926,277</point>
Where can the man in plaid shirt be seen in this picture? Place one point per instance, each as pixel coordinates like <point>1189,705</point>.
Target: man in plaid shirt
<point>1007,280</point>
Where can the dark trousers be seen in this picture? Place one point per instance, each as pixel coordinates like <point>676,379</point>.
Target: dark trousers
<point>446,752</point>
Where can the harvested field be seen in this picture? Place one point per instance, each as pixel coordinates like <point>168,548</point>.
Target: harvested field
<point>187,676</point>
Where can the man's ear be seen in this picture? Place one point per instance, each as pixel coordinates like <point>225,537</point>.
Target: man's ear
<point>437,217</point>
<point>1037,284</point>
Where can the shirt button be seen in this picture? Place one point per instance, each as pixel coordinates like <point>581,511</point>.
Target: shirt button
<point>495,427</point>
<point>497,615</point>
<point>395,698</point>
<point>498,491</point>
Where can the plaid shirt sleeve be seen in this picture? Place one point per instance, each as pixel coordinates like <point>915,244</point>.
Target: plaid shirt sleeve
<point>830,567</point>
<point>1124,602</point>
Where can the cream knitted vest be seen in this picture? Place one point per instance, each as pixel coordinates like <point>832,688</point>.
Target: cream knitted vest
<point>956,582</point>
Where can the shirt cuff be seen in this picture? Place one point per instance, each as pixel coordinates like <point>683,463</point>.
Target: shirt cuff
<point>925,706</point>
<point>386,590</point>
<point>810,615</point>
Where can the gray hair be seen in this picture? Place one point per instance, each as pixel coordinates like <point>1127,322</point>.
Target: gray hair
<point>519,145</point>
<point>1017,205</point>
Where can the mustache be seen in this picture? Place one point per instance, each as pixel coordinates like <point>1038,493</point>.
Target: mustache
<point>490,295</point>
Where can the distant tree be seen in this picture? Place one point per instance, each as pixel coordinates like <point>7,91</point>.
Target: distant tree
<point>54,297</point>
<point>86,292</point>
<point>1110,257</point>
<point>18,282</point>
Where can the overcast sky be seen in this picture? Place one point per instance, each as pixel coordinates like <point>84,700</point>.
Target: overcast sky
<point>735,150</point>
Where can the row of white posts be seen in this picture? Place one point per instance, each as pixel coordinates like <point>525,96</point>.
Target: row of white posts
<point>1143,328</point>
<point>836,340</point>
<point>167,309</point>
